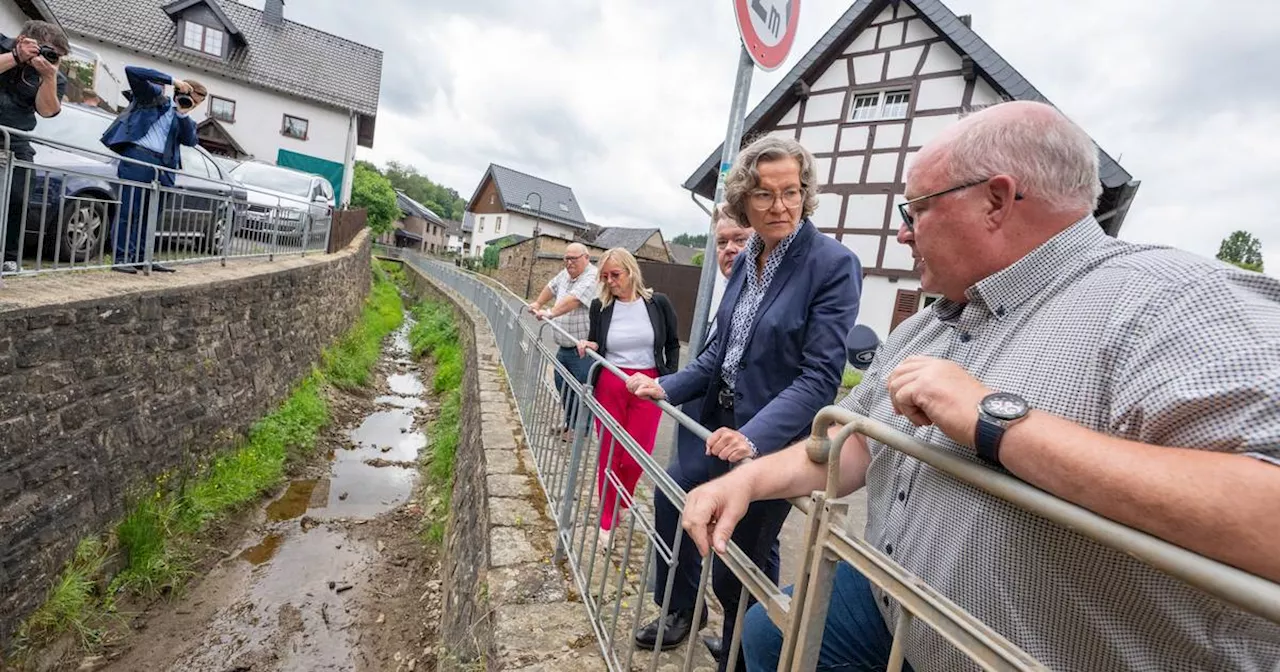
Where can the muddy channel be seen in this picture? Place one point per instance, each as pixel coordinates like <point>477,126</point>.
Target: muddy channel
<point>332,573</point>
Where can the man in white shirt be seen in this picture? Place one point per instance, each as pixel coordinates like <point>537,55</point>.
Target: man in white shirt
<point>731,238</point>
<point>571,290</point>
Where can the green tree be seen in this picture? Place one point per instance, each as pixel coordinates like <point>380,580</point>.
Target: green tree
<point>699,240</point>
<point>373,192</point>
<point>441,200</point>
<point>1242,249</point>
<point>697,259</point>
<point>490,259</point>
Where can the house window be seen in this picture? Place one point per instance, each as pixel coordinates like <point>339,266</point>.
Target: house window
<point>202,38</point>
<point>880,105</point>
<point>498,227</point>
<point>295,127</point>
<point>493,198</point>
<point>222,109</point>
<point>482,225</point>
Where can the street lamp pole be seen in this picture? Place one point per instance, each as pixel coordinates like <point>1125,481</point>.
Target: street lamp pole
<point>537,223</point>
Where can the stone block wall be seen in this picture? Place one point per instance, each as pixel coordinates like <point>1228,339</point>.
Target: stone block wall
<point>99,397</point>
<point>466,631</point>
<point>506,604</point>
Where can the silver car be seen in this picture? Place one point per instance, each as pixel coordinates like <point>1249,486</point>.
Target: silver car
<point>284,201</point>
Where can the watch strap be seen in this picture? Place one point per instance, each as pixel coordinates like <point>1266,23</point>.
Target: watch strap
<point>986,440</point>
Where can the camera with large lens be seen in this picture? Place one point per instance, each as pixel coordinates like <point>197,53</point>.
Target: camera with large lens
<point>49,54</point>
<point>184,100</point>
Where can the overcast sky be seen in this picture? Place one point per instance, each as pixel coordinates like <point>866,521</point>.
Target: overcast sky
<point>623,99</point>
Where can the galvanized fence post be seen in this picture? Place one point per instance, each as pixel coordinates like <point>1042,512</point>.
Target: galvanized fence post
<point>150,222</point>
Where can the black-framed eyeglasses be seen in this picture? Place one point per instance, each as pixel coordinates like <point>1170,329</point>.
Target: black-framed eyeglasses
<point>571,259</point>
<point>911,221</point>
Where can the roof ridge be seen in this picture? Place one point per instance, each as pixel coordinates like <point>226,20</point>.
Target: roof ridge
<point>540,179</point>
<point>251,8</point>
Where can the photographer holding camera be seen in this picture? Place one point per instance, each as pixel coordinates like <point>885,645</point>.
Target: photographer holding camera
<point>149,130</point>
<point>29,84</point>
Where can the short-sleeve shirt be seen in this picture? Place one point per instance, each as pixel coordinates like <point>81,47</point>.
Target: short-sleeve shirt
<point>1144,343</point>
<point>577,321</point>
<point>19,86</point>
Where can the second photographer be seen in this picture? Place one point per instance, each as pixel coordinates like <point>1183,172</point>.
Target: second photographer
<point>149,130</point>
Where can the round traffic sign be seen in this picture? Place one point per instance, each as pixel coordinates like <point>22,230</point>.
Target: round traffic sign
<point>768,28</point>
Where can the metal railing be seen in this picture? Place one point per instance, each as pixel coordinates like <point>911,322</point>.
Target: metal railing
<point>559,414</point>
<point>77,214</point>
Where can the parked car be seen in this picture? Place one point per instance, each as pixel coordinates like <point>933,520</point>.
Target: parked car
<point>284,200</point>
<point>76,196</point>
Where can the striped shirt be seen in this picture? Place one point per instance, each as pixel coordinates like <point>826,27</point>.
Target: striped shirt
<point>577,321</point>
<point>1139,342</point>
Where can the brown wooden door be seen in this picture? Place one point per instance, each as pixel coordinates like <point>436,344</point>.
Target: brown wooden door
<point>905,305</point>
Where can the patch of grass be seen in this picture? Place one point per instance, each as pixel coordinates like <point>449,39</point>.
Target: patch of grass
<point>851,378</point>
<point>436,335</point>
<point>146,538</point>
<point>155,537</point>
<point>74,603</point>
<point>242,476</point>
<point>349,363</point>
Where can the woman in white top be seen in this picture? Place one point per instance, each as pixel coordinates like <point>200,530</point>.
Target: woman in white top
<point>634,328</point>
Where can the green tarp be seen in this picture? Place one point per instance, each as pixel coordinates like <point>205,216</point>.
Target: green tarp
<point>330,170</point>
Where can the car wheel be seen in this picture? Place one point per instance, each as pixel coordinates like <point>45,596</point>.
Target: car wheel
<point>216,236</point>
<point>82,230</point>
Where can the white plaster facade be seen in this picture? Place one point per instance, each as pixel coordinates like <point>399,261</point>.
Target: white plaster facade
<point>259,114</point>
<point>486,228</point>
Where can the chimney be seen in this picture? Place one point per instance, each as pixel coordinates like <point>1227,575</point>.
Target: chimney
<point>967,19</point>
<point>273,13</point>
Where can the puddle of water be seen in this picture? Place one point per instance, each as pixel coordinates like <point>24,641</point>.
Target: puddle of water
<point>405,384</point>
<point>385,434</point>
<point>288,613</point>
<point>359,490</point>
<point>264,551</point>
<point>399,402</point>
<point>292,503</point>
<point>400,339</point>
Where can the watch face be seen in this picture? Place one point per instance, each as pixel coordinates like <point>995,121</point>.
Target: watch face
<point>1005,406</point>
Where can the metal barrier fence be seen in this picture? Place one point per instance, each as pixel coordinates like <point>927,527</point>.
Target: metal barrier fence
<point>75,213</point>
<point>565,426</point>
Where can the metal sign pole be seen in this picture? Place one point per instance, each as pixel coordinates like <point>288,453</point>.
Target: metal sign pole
<point>732,140</point>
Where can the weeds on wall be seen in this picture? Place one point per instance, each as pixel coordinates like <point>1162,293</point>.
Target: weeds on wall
<point>436,335</point>
<point>153,543</point>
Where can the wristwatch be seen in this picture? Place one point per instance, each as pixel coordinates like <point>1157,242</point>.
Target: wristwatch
<point>996,412</point>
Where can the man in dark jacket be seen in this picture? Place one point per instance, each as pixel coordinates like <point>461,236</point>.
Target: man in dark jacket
<point>148,131</point>
<point>30,84</point>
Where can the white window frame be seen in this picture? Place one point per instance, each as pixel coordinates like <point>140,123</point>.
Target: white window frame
<point>879,113</point>
<point>201,34</point>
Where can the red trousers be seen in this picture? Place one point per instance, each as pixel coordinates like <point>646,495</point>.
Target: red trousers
<point>640,418</point>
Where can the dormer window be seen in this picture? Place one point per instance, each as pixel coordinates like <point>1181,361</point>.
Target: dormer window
<point>202,38</point>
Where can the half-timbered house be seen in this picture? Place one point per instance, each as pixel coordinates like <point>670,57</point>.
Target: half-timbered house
<point>883,81</point>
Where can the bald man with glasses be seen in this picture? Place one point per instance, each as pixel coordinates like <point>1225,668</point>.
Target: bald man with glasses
<point>570,293</point>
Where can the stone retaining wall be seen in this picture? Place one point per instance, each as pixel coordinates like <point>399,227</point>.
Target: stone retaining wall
<point>506,605</point>
<point>100,396</point>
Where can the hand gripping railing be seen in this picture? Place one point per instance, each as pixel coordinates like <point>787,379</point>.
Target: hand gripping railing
<point>801,616</point>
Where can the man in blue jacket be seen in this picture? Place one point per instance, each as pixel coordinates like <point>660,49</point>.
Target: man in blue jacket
<point>149,130</point>
<point>776,360</point>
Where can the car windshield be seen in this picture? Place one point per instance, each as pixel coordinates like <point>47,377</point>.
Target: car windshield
<point>276,179</point>
<point>76,127</point>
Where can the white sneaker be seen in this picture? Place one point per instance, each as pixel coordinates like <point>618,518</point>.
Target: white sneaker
<point>10,267</point>
<point>606,536</point>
